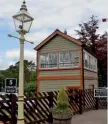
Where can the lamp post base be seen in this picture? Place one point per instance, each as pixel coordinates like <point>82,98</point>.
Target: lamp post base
<point>20,121</point>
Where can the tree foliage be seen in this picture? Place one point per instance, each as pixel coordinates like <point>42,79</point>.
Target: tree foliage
<point>2,78</point>
<point>29,73</point>
<point>29,67</point>
<point>88,33</point>
<point>30,87</point>
<point>101,52</point>
<point>97,44</point>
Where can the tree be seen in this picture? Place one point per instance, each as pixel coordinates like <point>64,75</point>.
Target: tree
<point>29,71</point>
<point>30,87</point>
<point>101,52</point>
<point>29,74</point>
<point>29,67</point>
<point>2,78</point>
<point>88,34</point>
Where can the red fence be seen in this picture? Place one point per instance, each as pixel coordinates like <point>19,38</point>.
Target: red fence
<point>37,108</point>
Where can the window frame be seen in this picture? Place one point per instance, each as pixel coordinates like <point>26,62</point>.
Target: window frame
<point>70,63</point>
<point>48,57</point>
<point>92,60</point>
<point>58,58</point>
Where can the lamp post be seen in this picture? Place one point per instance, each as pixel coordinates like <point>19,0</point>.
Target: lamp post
<point>23,22</point>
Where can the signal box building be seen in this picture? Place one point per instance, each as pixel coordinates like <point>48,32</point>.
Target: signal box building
<point>62,61</point>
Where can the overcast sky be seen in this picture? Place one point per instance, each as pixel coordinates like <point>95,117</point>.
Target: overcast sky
<point>49,15</point>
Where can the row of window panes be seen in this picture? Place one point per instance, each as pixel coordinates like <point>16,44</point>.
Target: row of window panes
<point>66,59</point>
<point>90,62</point>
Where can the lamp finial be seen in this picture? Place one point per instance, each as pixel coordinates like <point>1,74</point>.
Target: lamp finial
<point>23,7</point>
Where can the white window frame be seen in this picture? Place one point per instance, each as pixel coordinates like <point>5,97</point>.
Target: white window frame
<point>70,66</point>
<point>48,63</point>
<point>86,60</point>
<point>58,60</point>
<point>93,59</point>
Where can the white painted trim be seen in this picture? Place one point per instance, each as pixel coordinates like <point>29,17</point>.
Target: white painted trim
<point>84,51</point>
<point>69,66</point>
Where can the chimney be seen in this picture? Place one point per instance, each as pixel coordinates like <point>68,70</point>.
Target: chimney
<point>65,31</point>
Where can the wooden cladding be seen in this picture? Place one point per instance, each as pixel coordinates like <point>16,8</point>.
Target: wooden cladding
<point>55,85</point>
<point>59,73</point>
<point>58,43</point>
<point>90,70</point>
<point>75,77</point>
<point>90,78</point>
<point>57,69</point>
<point>57,33</point>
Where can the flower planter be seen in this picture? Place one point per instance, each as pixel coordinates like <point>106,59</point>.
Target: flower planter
<point>62,114</point>
<point>62,119</point>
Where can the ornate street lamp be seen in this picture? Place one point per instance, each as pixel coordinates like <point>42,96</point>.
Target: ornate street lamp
<point>23,22</point>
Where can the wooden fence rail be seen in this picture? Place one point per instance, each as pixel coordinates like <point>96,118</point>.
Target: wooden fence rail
<point>37,106</point>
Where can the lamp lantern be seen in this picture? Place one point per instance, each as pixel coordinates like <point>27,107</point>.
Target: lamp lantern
<point>23,20</point>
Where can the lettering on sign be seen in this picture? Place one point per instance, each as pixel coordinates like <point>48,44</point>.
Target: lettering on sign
<point>100,92</point>
<point>11,85</point>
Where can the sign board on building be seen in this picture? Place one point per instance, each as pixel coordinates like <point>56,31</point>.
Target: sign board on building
<point>10,85</point>
<point>101,92</point>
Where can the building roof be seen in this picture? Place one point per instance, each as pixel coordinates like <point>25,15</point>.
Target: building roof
<point>57,32</point>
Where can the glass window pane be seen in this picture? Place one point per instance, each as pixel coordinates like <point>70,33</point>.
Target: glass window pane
<point>86,60</point>
<point>43,60</point>
<point>48,60</point>
<point>64,59</point>
<point>75,58</point>
<point>27,25</point>
<point>89,61</point>
<point>72,56</point>
<point>52,60</point>
<point>69,59</point>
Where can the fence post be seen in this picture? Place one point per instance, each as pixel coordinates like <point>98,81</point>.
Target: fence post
<point>80,102</point>
<point>13,109</point>
<point>97,103</point>
<point>70,95</point>
<point>50,98</point>
<point>83,99</point>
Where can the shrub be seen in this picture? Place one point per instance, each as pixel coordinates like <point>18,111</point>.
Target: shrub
<point>30,87</point>
<point>62,104</point>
